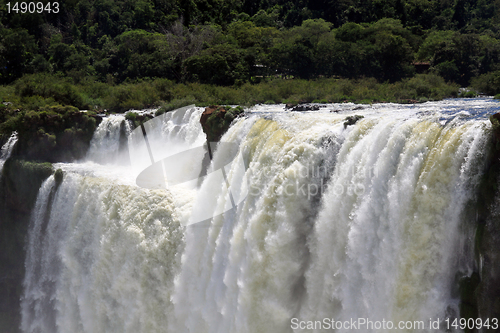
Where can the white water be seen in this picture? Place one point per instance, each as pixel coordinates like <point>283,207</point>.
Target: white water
<point>101,259</point>
<point>105,144</point>
<point>168,134</point>
<point>7,148</point>
<point>357,222</point>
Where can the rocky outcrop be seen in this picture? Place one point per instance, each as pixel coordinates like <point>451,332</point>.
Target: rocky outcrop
<point>209,111</point>
<point>351,120</point>
<point>495,122</point>
<point>137,119</point>
<point>56,134</point>
<point>216,119</point>
<point>302,107</point>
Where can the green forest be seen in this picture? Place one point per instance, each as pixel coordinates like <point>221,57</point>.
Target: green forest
<point>116,55</point>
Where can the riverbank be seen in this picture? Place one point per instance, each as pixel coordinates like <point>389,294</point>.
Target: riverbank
<point>35,92</point>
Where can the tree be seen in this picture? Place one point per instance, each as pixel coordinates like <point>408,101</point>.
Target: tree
<point>221,65</point>
<point>186,42</point>
<point>17,50</point>
<point>379,50</point>
<point>138,54</point>
<point>389,52</point>
<point>432,43</point>
<point>296,52</point>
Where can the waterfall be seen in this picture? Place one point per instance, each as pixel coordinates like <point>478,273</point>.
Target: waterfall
<point>381,244</point>
<point>107,143</point>
<point>113,140</point>
<point>168,134</point>
<point>389,251</point>
<point>369,220</point>
<point>7,148</point>
<point>100,259</point>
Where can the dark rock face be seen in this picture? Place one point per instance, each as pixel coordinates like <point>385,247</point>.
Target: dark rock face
<point>495,121</point>
<point>487,291</point>
<point>480,291</point>
<point>19,185</point>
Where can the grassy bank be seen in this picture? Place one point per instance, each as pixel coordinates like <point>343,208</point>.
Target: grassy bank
<point>35,92</point>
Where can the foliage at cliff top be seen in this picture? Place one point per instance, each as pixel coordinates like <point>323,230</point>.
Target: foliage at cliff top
<point>52,133</point>
<point>230,42</point>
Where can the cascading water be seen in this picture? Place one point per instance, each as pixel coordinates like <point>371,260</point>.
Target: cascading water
<point>107,143</point>
<point>100,260</point>
<point>7,149</point>
<point>126,250</point>
<point>340,221</point>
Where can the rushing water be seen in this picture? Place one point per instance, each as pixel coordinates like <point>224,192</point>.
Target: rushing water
<point>107,144</point>
<point>7,148</point>
<point>344,222</point>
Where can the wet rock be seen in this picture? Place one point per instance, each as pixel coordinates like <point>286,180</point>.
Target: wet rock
<point>495,121</point>
<point>351,120</point>
<point>305,107</point>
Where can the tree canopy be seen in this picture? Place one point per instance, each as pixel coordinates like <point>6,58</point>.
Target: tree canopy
<point>226,42</point>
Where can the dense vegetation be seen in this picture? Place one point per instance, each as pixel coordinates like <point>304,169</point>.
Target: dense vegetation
<point>229,42</point>
<point>39,92</point>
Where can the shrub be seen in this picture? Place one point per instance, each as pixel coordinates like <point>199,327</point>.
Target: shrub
<point>132,96</point>
<point>131,116</point>
<point>48,87</point>
<point>488,83</point>
<point>468,94</point>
